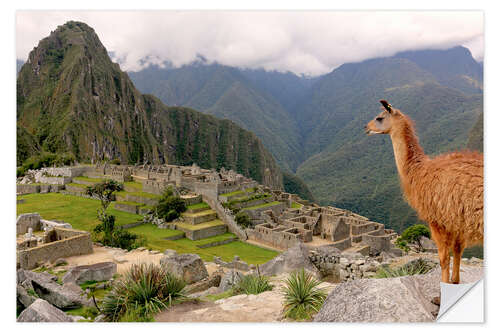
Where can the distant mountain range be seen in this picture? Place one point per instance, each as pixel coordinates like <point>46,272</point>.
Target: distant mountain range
<point>72,98</point>
<point>312,126</point>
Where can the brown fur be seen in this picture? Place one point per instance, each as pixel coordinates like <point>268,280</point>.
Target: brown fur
<point>446,190</point>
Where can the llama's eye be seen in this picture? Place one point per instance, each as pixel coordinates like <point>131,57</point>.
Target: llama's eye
<point>379,119</point>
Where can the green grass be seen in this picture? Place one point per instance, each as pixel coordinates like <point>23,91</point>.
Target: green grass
<point>88,179</point>
<point>138,194</point>
<point>135,185</point>
<point>225,294</point>
<point>202,213</point>
<point>269,204</point>
<point>247,252</point>
<point>130,203</point>
<point>198,206</point>
<point>248,190</point>
<point>77,185</point>
<point>296,205</point>
<point>80,212</point>
<point>199,226</point>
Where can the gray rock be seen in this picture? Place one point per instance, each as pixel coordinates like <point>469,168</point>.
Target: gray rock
<point>428,245</point>
<point>209,291</point>
<point>23,297</point>
<point>96,272</point>
<point>229,280</point>
<point>401,299</point>
<point>99,318</point>
<point>60,296</point>
<point>291,260</point>
<point>43,311</point>
<point>188,266</point>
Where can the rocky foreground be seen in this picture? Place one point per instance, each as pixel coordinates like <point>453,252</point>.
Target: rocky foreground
<point>356,296</point>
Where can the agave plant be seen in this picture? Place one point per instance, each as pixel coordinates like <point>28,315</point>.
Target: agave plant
<point>303,298</point>
<point>253,284</point>
<point>418,266</point>
<point>145,290</point>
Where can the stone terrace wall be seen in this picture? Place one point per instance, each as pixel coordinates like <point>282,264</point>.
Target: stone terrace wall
<point>27,188</point>
<point>26,221</point>
<point>75,243</point>
<point>225,217</point>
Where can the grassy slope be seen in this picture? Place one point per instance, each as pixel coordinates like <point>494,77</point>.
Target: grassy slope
<point>81,213</point>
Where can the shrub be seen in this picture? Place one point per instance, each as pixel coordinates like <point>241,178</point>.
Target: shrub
<point>252,284</point>
<point>402,244</point>
<point>45,160</point>
<point>414,267</point>
<point>142,292</point>
<point>414,233</point>
<point>303,298</point>
<point>243,220</point>
<point>169,206</point>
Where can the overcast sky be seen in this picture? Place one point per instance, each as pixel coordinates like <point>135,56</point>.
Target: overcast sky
<point>311,43</point>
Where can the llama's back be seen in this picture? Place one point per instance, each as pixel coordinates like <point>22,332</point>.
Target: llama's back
<point>448,190</point>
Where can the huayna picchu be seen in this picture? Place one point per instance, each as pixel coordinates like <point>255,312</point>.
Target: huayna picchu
<point>72,98</point>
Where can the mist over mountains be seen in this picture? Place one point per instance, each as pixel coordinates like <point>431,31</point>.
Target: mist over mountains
<point>314,126</point>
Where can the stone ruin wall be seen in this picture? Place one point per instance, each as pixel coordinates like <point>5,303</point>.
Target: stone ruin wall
<point>69,243</point>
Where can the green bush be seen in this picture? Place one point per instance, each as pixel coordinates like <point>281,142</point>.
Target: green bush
<point>414,267</point>
<point>243,220</point>
<point>169,206</point>
<point>143,291</point>
<point>402,244</point>
<point>252,284</point>
<point>45,160</point>
<point>303,298</point>
<point>412,234</point>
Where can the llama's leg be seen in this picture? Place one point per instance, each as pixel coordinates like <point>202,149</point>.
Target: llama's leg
<point>458,249</point>
<point>443,251</point>
<point>444,260</point>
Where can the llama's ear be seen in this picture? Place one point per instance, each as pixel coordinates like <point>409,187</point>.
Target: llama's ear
<point>386,105</point>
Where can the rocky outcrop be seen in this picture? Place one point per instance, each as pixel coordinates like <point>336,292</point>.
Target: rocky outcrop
<point>229,280</point>
<point>188,266</point>
<point>46,288</point>
<point>43,311</point>
<point>293,259</point>
<point>97,272</point>
<point>401,299</point>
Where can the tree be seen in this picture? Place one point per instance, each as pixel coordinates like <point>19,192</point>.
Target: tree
<point>414,233</point>
<point>104,191</point>
<point>170,206</point>
<point>243,220</point>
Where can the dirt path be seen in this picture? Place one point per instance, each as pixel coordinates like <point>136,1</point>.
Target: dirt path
<point>122,258</point>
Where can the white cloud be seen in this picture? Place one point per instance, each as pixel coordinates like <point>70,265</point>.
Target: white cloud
<point>301,42</point>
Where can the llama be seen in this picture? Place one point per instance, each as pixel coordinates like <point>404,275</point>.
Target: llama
<point>446,190</point>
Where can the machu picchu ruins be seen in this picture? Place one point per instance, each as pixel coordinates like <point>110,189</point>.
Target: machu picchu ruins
<point>279,220</point>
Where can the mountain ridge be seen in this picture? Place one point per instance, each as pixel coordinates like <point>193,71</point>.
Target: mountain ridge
<point>72,97</point>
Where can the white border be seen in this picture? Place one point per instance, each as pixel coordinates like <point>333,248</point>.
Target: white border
<point>492,117</point>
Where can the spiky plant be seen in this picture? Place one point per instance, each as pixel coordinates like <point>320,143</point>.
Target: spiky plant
<point>418,266</point>
<point>303,298</point>
<point>145,290</point>
<point>253,284</point>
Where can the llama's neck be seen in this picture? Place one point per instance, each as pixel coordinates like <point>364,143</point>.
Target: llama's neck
<point>407,151</point>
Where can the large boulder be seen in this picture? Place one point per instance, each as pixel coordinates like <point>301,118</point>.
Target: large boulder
<point>188,266</point>
<point>229,280</point>
<point>43,311</point>
<point>24,297</point>
<point>46,288</point>
<point>97,272</point>
<point>291,260</point>
<point>401,299</point>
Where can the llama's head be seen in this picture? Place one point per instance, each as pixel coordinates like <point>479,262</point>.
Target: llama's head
<point>385,121</point>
